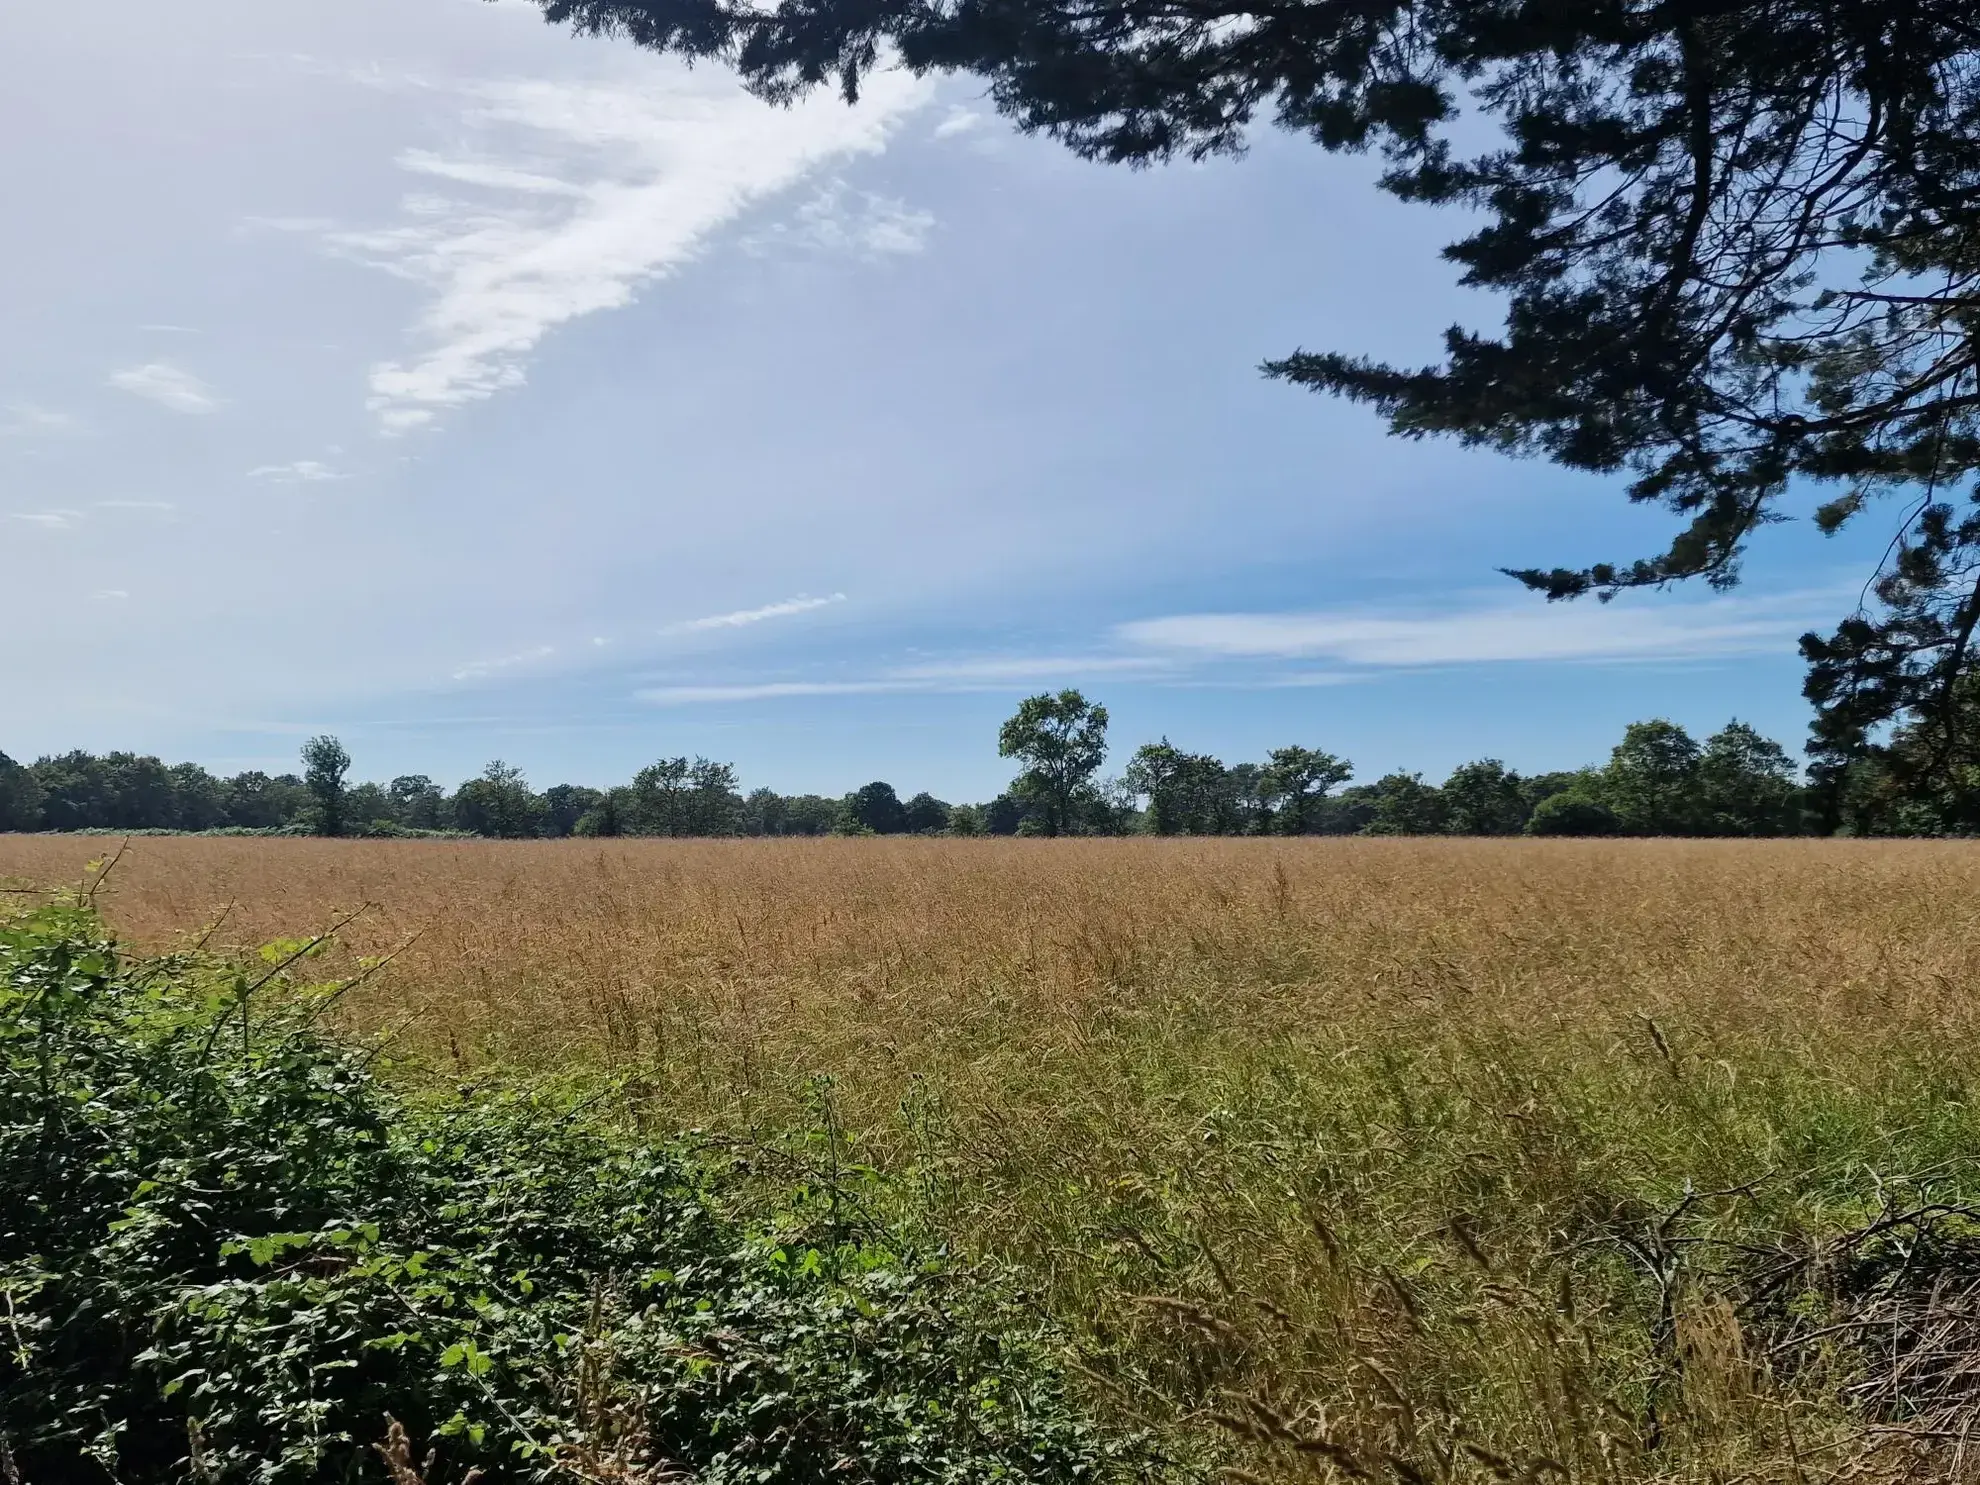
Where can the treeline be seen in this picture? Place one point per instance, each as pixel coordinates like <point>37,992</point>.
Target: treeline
<point>1658,780</point>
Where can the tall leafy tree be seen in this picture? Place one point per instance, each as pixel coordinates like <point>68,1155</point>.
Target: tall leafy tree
<point>1299,778</point>
<point>1733,240</point>
<point>20,797</point>
<point>1404,805</point>
<point>1187,793</point>
<point>1484,798</point>
<point>566,804</point>
<point>876,807</point>
<point>926,815</point>
<point>499,803</point>
<point>417,801</point>
<point>1746,784</point>
<point>1652,779</point>
<point>325,762</point>
<point>1061,741</point>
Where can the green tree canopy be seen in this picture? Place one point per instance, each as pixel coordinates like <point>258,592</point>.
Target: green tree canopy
<point>1061,741</point>
<point>325,762</point>
<point>1405,805</point>
<point>1298,779</point>
<point>1733,239</point>
<point>1484,798</point>
<point>1652,779</point>
<point>1746,784</point>
<point>926,815</point>
<point>20,797</point>
<point>876,807</point>
<point>499,803</point>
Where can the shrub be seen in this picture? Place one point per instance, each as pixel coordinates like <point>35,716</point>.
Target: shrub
<point>229,1249</point>
<point>1572,814</point>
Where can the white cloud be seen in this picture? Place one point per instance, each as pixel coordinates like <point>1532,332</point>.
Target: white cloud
<point>168,386</point>
<point>475,669</point>
<point>1477,632</point>
<point>983,673</point>
<point>53,520</point>
<point>685,695</point>
<point>1028,667</point>
<point>857,224</point>
<point>584,194</point>
<point>25,420</point>
<point>802,604</point>
<point>301,472</point>
<point>959,121</point>
<point>151,505</point>
<point>111,594</point>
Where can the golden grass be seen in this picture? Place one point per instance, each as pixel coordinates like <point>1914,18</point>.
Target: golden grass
<point>1351,1154</point>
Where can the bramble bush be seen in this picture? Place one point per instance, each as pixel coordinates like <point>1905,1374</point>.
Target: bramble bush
<point>230,1250</point>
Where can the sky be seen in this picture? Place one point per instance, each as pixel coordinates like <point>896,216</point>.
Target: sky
<point>417,372</point>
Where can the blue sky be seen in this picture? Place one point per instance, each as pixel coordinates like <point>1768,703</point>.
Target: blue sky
<point>410,370</point>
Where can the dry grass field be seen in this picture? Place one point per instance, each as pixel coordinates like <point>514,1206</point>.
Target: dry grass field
<point>1400,1159</point>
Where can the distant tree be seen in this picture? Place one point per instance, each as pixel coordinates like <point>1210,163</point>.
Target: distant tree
<point>764,813</point>
<point>417,802</point>
<point>659,799</point>
<point>1405,805</point>
<point>1154,773</point>
<point>714,806</point>
<point>1572,813</point>
<point>1187,793</point>
<point>1652,780</point>
<point>926,815</point>
<point>679,797</point>
<point>20,796</point>
<point>605,819</point>
<point>966,820</point>
<point>1062,741</point>
<point>1746,784</point>
<point>1109,808</point>
<point>1298,778</point>
<point>564,805</point>
<point>370,809</point>
<point>811,814</point>
<point>876,807</point>
<point>1533,788</point>
<point>74,793</point>
<point>1484,798</point>
<point>499,803</point>
<point>1004,815</point>
<point>256,801</point>
<point>1345,813</point>
<point>324,765</point>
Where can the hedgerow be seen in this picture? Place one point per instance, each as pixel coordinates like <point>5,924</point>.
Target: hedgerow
<point>231,1250</point>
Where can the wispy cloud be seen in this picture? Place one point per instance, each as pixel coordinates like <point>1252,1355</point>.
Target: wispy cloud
<point>977,673</point>
<point>110,595</point>
<point>25,420</point>
<point>167,385</point>
<point>300,472</point>
<point>1028,668</point>
<point>150,505</point>
<point>802,604</point>
<point>475,669</point>
<point>1483,631</point>
<point>960,120</point>
<point>856,224</point>
<point>768,690</point>
<point>584,193</point>
<point>52,520</point>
